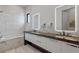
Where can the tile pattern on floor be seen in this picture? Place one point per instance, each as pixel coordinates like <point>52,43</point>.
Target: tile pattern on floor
<point>24,49</point>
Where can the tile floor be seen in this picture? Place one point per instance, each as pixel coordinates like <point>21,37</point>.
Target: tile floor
<point>24,49</point>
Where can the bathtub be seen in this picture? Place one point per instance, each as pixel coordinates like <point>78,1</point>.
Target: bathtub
<point>10,42</point>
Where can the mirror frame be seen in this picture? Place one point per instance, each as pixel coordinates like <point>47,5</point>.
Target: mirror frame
<point>75,20</point>
<point>34,22</point>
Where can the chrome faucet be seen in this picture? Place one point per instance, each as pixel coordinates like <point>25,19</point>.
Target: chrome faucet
<point>63,33</point>
<point>66,34</point>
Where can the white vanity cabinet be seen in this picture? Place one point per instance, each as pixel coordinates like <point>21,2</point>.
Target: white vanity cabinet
<point>46,43</point>
<point>51,44</point>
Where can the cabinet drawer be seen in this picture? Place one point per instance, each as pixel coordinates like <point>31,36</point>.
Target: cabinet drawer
<point>70,48</point>
<point>54,46</point>
<point>38,41</point>
<point>41,44</point>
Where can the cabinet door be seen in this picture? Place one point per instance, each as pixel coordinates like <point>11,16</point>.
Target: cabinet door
<point>26,36</point>
<point>32,38</point>
<point>54,46</point>
<point>68,48</point>
<point>40,41</point>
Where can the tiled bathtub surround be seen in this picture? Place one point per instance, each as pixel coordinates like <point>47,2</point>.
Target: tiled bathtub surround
<point>10,44</point>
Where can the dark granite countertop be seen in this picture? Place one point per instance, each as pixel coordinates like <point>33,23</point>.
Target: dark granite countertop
<point>73,40</point>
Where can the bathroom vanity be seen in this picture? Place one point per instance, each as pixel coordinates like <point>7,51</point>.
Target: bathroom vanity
<point>65,22</point>
<point>53,42</point>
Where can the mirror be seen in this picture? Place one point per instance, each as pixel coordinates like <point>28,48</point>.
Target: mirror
<point>36,21</point>
<point>65,18</point>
